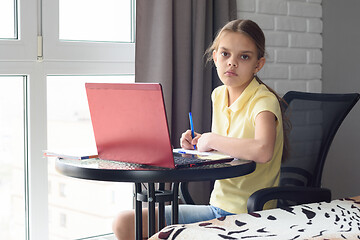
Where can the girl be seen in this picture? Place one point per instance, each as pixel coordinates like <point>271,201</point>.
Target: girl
<point>247,124</point>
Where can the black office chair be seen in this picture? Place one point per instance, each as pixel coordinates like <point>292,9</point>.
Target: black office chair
<point>315,119</point>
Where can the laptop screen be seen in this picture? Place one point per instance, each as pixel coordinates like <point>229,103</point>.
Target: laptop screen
<point>129,123</point>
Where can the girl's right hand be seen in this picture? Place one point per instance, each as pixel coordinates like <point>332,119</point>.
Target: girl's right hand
<point>187,142</point>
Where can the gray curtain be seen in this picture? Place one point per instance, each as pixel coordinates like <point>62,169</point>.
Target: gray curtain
<point>171,38</point>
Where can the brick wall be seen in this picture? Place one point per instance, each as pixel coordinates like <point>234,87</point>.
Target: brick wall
<point>293,40</point>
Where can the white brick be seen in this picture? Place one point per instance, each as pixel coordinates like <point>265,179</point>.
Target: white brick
<point>269,83</point>
<point>272,6</point>
<point>265,22</point>
<point>314,25</point>
<point>314,86</point>
<point>302,9</point>
<point>287,55</point>
<point>283,87</point>
<point>276,39</point>
<point>307,72</point>
<point>314,56</point>
<point>305,40</point>
<point>274,71</point>
<point>296,24</point>
<point>314,1</point>
<point>246,5</point>
<point>270,54</point>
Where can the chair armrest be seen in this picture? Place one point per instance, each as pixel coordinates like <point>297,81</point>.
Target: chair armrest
<point>299,195</point>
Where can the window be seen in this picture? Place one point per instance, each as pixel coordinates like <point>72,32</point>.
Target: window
<point>12,145</point>
<point>62,220</point>
<point>49,187</point>
<point>8,19</point>
<point>62,190</point>
<point>38,53</point>
<point>70,37</point>
<point>104,27</point>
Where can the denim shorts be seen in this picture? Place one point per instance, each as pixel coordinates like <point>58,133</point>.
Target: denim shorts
<point>195,213</point>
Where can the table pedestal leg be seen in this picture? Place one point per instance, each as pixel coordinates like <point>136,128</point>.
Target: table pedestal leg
<point>175,203</point>
<point>138,213</point>
<point>151,209</point>
<point>161,209</point>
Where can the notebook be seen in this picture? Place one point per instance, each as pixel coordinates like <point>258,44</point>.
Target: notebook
<point>130,125</point>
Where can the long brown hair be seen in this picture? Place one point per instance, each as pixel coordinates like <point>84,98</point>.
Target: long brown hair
<point>252,30</point>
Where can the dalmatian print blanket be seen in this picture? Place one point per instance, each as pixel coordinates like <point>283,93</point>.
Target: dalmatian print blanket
<point>339,219</point>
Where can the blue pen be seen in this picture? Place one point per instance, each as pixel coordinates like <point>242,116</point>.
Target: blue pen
<point>192,127</point>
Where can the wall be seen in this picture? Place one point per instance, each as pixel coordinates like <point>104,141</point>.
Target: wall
<point>341,51</point>
<point>293,39</point>
<point>313,45</point>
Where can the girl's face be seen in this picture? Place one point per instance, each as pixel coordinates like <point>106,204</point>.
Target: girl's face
<point>236,60</point>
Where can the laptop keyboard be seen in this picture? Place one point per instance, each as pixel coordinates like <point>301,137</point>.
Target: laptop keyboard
<point>179,160</point>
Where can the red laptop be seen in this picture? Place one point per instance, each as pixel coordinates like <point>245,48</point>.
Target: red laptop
<point>130,125</point>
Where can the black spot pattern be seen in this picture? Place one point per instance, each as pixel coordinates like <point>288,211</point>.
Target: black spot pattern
<point>309,214</point>
<point>262,230</point>
<point>237,232</point>
<point>288,209</point>
<point>296,237</point>
<point>321,233</point>
<point>257,215</point>
<point>178,232</point>
<point>165,234</point>
<point>240,224</point>
<point>218,228</point>
<point>225,236</point>
<point>204,224</point>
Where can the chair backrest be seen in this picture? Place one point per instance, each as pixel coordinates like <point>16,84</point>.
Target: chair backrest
<point>315,119</point>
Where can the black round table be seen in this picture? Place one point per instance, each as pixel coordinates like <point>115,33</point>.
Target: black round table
<point>105,170</point>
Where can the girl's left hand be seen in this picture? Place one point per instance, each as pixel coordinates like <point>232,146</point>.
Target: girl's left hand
<point>204,142</point>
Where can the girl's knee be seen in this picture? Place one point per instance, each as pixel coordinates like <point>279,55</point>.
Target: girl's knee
<point>123,225</point>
